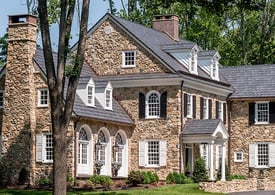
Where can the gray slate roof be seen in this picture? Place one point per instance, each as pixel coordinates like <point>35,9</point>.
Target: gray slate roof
<point>203,126</point>
<point>118,114</point>
<point>255,81</point>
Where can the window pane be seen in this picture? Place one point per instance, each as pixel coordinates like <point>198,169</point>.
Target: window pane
<point>49,147</point>
<point>108,98</point>
<point>262,112</point>
<point>189,105</point>
<point>262,154</point>
<point>90,95</point>
<point>153,105</point>
<point>44,97</point>
<point>129,58</point>
<point>153,153</point>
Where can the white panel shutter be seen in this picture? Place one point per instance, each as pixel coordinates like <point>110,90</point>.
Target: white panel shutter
<point>272,155</point>
<point>39,147</point>
<point>163,151</point>
<point>141,153</point>
<point>252,152</point>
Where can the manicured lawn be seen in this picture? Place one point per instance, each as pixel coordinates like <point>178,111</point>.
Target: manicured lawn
<point>184,189</point>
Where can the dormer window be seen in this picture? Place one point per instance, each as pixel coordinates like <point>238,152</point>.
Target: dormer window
<point>128,59</point>
<point>193,61</point>
<point>108,97</point>
<point>215,68</point>
<point>91,95</point>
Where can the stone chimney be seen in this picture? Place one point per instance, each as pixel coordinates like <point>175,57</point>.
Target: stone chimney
<point>18,122</point>
<point>168,24</point>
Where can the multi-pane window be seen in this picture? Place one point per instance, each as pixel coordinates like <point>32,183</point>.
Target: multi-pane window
<point>153,104</point>
<point>153,152</point>
<point>118,152</point>
<point>1,98</point>
<point>108,98</point>
<point>193,62</point>
<point>43,97</point>
<point>238,156</point>
<point>90,95</point>
<point>189,106</point>
<point>262,154</point>
<point>262,112</point>
<point>205,108</point>
<point>49,147</point>
<point>83,147</point>
<point>129,58</point>
<point>101,151</point>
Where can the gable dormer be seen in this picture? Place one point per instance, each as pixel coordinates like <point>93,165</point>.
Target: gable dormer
<point>186,54</point>
<point>209,62</point>
<point>104,94</point>
<point>86,91</point>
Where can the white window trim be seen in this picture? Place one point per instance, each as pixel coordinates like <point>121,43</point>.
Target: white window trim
<point>123,59</point>
<point>93,95</point>
<point>147,105</point>
<point>39,98</point>
<point>110,107</point>
<point>41,148</point>
<point>236,154</point>
<point>215,72</point>
<point>205,108</point>
<point>256,112</point>
<point>256,155</point>
<point>190,115</point>
<point>220,110</point>
<point>143,153</point>
<point>3,96</point>
<point>193,59</point>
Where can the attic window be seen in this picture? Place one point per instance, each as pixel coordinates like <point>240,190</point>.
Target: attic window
<point>90,95</point>
<point>108,98</point>
<point>193,62</point>
<point>215,69</point>
<point>128,59</point>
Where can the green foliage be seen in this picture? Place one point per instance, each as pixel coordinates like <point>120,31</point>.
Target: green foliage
<point>3,49</point>
<point>70,178</point>
<point>219,173</point>
<point>200,173</point>
<point>231,177</point>
<point>45,181</point>
<point>23,176</point>
<point>150,177</point>
<point>178,178</point>
<point>135,178</point>
<point>170,179</point>
<point>103,180</point>
<point>188,180</point>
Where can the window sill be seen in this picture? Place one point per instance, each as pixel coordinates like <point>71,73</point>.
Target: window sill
<point>152,117</point>
<point>262,123</point>
<point>42,106</point>
<point>129,66</point>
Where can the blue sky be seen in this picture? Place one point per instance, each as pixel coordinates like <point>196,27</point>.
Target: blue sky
<point>16,7</point>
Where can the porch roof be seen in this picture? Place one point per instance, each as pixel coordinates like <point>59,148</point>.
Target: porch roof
<point>204,131</point>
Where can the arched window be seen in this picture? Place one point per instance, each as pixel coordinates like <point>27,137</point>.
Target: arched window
<point>153,104</point>
<point>83,148</point>
<point>118,149</point>
<point>101,152</point>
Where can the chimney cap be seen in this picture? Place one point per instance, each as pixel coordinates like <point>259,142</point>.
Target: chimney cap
<point>22,18</point>
<point>165,17</point>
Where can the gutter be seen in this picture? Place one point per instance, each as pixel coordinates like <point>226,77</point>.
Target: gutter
<point>180,135</point>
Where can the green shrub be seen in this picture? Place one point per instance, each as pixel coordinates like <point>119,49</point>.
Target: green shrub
<point>23,176</point>
<point>3,173</point>
<point>170,179</point>
<point>156,177</point>
<point>135,178</point>
<point>219,174</point>
<point>150,177</point>
<point>188,180</point>
<point>231,177</point>
<point>103,180</point>
<point>70,178</point>
<point>45,181</point>
<point>179,177</point>
<point>200,173</point>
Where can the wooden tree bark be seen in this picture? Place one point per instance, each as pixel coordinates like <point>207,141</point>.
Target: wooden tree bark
<point>62,104</point>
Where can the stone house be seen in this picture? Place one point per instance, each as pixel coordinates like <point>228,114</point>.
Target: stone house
<point>146,99</point>
<point>252,120</point>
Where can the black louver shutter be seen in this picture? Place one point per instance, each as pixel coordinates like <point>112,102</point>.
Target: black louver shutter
<point>141,105</point>
<point>163,105</point>
<point>210,109</point>
<point>185,104</point>
<point>272,112</point>
<point>217,109</point>
<point>201,108</point>
<point>194,107</point>
<point>251,118</point>
<point>224,113</point>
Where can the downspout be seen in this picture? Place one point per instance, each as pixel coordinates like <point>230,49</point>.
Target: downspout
<point>75,156</point>
<point>180,135</point>
<point>229,134</point>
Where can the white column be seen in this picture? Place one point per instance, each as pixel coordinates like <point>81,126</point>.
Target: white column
<point>223,162</point>
<point>211,163</point>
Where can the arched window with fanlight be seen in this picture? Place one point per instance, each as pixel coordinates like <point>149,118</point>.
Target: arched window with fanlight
<point>101,152</point>
<point>84,151</point>
<point>118,147</point>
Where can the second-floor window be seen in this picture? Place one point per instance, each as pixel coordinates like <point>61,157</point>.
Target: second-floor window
<point>205,108</point>
<point>128,59</point>
<point>261,112</point>
<point>189,105</point>
<point>153,104</point>
<point>108,99</point>
<point>43,97</point>
<point>90,95</point>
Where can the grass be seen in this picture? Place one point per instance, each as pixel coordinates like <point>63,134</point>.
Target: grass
<point>185,189</point>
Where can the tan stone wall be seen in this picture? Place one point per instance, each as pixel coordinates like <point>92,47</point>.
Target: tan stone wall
<point>104,53</point>
<point>242,135</point>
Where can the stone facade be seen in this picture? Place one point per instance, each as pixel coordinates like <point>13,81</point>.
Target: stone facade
<point>242,134</point>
